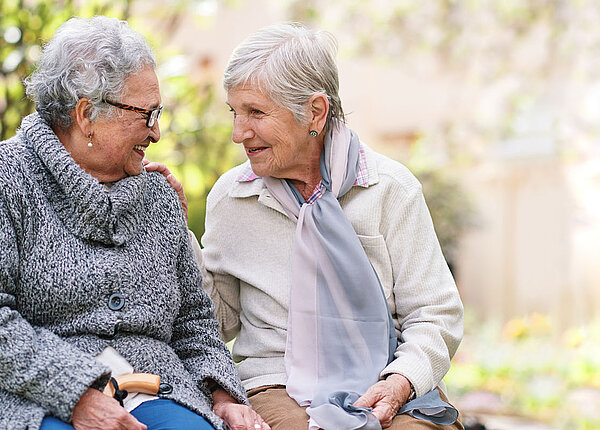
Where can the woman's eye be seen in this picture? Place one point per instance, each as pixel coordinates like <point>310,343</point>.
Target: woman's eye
<point>256,112</point>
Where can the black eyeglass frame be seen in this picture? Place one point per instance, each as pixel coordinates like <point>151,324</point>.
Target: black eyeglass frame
<point>152,115</point>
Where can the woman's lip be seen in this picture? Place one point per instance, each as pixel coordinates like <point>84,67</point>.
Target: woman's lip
<point>255,151</point>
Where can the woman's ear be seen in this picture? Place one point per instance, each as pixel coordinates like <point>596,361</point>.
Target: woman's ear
<point>319,108</point>
<point>81,113</point>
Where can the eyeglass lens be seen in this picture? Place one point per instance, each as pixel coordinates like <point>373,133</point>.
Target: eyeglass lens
<point>154,116</point>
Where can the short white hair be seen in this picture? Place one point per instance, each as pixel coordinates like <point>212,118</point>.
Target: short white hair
<point>290,64</point>
<point>86,57</point>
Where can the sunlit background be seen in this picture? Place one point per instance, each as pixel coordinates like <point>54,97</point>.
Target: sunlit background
<point>493,104</point>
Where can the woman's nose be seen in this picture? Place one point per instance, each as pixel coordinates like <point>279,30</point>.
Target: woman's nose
<point>241,129</point>
<point>155,132</point>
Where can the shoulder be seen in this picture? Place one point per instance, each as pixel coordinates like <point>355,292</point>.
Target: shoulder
<point>225,184</point>
<point>16,180</point>
<point>13,167</point>
<point>158,183</point>
<point>161,195</point>
<point>392,175</point>
<point>12,153</point>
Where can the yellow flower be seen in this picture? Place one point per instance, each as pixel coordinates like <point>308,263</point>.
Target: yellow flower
<point>574,337</point>
<point>516,328</point>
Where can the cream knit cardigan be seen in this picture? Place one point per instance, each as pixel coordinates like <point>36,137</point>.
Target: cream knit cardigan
<point>247,256</point>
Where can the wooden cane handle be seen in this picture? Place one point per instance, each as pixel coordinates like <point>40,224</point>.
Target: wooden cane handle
<point>146,383</point>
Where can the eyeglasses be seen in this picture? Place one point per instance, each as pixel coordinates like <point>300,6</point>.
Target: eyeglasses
<point>152,115</point>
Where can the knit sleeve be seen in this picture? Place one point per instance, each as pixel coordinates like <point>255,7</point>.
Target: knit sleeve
<point>428,307</point>
<point>35,363</point>
<point>223,288</point>
<point>196,337</point>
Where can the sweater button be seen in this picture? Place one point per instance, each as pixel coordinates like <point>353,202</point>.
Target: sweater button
<point>116,301</point>
<point>165,388</point>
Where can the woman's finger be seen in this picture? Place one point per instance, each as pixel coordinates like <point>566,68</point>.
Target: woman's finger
<point>264,426</point>
<point>259,423</point>
<point>153,166</point>
<point>130,422</point>
<point>369,399</point>
<point>178,187</point>
<point>383,411</point>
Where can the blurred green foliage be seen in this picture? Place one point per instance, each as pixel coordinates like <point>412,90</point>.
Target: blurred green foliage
<point>195,140</point>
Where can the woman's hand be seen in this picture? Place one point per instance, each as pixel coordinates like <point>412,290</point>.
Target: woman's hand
<point>236,415</point>
<point>386,397</point>
<point>96,411</point>
<point>153,166</point>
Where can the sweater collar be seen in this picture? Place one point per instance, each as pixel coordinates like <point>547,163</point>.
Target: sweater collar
<point>80,201</point>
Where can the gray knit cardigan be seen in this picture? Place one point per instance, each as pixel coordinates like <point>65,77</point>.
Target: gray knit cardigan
<point>66,246</point>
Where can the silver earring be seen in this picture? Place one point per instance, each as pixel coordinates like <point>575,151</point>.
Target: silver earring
<point>313,133</point>
<point>90,144</point>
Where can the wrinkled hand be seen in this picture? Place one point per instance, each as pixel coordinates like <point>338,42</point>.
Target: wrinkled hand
<point>386,397</point>
<point>153,166</point>
<point>236,415</point>
<point>97,411</point>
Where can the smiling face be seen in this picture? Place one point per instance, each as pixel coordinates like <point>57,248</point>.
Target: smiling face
<point>275,143</point>
<point>120,141</point>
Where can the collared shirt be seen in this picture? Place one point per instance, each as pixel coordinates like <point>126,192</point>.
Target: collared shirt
<point>362,176</point>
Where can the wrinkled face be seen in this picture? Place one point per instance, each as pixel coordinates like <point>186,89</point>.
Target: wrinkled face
<point>275,143</point>
<point>119,142</point>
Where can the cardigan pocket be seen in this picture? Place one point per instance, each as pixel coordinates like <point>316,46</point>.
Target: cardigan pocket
<point>378,255</point>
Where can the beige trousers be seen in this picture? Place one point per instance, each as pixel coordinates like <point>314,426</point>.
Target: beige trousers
<point>281,412</point>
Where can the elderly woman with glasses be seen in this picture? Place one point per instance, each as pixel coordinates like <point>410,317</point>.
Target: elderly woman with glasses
<point>321,256</point>
<point>97,274</point>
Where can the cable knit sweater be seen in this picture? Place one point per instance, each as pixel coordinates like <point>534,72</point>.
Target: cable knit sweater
<point>69,248</point>
<point>248,250</point>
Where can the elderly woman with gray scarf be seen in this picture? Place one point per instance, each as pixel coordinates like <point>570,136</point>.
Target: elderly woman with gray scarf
<point>321,256</point>
<point>97,274</point>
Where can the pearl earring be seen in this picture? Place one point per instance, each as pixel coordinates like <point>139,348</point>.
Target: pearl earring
<point>90,144</point>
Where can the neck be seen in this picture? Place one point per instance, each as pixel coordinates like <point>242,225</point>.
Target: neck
<point>306,188</point>
<point>310,175</point>
<point>71,141</point>
<point>64,136</point>
<point>76,145</point>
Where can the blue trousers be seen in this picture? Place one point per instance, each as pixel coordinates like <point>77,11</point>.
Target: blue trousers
<point>160,414</point>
